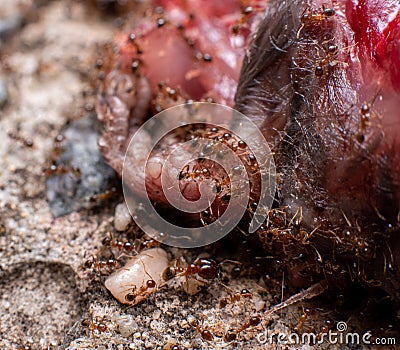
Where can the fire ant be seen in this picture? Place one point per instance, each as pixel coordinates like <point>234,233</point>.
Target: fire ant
<point>365,119</point>
<point>205,333</point>
<point>132,40</point>
<point>207,216</point>
<point>205,268</point>
<point>364,249</point>
<point>104,196</point>
<point>101,265</point>
<point>330,53</point>
<point>62,170</point>
<point>193,175</point>
<point>248,8</point>
<point>231,140</point>
<point>311,16</point>
<point>303,237</point>
<point>26,141</point>
<point>143,290</point>
<point>59,141</point>
<point>232,333</point>
<point>328,59</point>
<point>121,246</point>
<point>167,97</point>
<point>197,274</point>
<point>95,325</point>
<point>235,297</point>
<point>151,243</point>
<point>325,329</point>
<point>303,318</point>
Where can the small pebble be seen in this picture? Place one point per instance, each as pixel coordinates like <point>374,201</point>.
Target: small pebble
<point>153,325</point>
<point>10,25</point>
<point>149,345</point>
<point>126,325</point>
<point>184,324</point>
<point>259,304</point>
<point>156,314</point>
<point>3,93</point>
<point>145,335</point>
<point>122,217</point>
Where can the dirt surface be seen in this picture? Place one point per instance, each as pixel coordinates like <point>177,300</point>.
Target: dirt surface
<point>48,56</point>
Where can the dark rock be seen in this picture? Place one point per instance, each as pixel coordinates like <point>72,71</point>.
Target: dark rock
<point>3,93</point>
<point>79,173</point>
<point>10,25</point>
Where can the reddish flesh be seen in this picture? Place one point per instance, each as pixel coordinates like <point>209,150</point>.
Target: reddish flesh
<point>344,176</point>
<point>376,25</point>
<point>168,58</point>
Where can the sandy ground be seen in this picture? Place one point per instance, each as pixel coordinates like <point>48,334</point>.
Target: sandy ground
<point>48,55</point>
